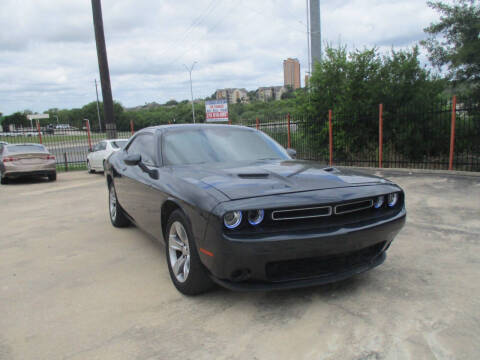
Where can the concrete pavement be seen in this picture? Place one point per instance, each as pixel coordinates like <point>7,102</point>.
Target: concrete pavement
<point>74,287</point>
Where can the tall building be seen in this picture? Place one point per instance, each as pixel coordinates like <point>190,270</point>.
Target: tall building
<point>291,73</point>
<point>315,32</point>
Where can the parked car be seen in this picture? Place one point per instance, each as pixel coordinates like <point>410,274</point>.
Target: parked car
<point>233,207</point>
<point>100,152</point>
<point>19,160</point>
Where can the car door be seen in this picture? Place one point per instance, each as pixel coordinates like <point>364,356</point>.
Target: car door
<point>92,155</point>
<point>100,154</point>
<point>136,192</point>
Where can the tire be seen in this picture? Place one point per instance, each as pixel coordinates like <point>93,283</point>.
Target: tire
<point>190,277</point>
<point>89,168</point>
<point>3,180</point>
<point>52,177</point>
<point>117,215</point>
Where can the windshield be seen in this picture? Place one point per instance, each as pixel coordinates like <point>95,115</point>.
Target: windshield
<point>25,148</point>
<point>219,144</point>
<point>119,144</point>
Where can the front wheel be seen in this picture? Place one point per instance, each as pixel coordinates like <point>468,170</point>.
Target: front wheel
<point>186,270</point>
<point>117,216</point>
<point>52,177</point>
<point>89,167</point>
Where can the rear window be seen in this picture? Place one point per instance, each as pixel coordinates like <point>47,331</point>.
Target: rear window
<point>120,144</point>
<point>25,148</point>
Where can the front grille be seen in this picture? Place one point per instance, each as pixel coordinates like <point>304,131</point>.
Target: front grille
<point>353,206</point>
<point>303,213</point>
<point>321,266</point>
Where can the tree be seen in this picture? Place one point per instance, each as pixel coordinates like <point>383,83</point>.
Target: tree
<point>353,84</point>
<point>454,41</point>
<point>171,102</point>
<point>17,119</point>
<point>289,94</point>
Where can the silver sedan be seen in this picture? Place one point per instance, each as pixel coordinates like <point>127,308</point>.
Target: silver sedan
<point>18,160</point>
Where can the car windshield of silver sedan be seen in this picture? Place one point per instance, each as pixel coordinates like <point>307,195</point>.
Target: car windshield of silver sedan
<point>199,146</point>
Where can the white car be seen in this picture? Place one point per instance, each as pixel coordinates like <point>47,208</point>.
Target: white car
<point>100,152</point>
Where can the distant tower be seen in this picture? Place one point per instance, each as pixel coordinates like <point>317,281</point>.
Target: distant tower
<point>291,73</point>
<point>315,32</point>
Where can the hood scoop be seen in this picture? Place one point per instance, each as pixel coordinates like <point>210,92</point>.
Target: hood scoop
<point>253,175</point>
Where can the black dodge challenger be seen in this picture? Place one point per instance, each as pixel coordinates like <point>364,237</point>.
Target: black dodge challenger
<point>235,208</point>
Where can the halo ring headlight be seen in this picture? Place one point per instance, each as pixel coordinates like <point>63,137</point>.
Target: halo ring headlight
<point>232,219</point>
<point>392,199</point>
<point>378,202</point>
<point>255,217</point>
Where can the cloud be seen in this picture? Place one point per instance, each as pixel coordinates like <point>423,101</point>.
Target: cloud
<point>48,55</point>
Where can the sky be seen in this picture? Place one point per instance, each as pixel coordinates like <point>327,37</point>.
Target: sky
<point>48,56</point>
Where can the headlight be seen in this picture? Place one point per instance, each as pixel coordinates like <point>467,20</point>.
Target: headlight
<point>378,203</point>
<point>232,219</point>
<point>255,217</point>
<point>392,199</point>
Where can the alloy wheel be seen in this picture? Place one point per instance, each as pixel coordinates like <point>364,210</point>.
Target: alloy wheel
<point>179,251</point>
<point>113,203</point>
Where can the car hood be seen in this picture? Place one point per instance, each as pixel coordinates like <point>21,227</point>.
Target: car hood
<point>263,178</point>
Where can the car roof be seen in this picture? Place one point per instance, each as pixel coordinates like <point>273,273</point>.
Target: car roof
<point>112,140</point>
<point>25,144</point>
<point>194,126</point>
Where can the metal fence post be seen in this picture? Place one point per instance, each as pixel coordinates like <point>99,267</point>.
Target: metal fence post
<point>88,135</point>
<point>65,160</point>
<point>380,137</point>
<point>39,132</point>
<point>330,136</point>
<point>258,124</point>
<point>289,139</point>
<point>131,127</point>
<point>452,132</point>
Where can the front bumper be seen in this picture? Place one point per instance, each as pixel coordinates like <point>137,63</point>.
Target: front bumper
<point>273,262</point>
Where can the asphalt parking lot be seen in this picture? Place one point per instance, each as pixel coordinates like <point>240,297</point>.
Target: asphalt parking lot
<point>74,287</point>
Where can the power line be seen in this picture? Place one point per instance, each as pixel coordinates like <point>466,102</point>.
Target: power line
<point>206,34</point>
<point>195,23</point>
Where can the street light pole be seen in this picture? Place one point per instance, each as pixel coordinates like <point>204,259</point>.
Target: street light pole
<point>191,87</point>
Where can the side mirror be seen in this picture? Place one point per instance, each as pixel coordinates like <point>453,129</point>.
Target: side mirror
<point>132,159</point>
<point>292,153</point>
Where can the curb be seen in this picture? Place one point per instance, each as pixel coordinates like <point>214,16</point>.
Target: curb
<point>403,171</point>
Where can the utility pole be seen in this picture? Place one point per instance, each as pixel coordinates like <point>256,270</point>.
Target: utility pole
<point>309,71</point>
<point>315,32</point>
<point>110,126</point>
<point>98,108</point>
<point>191,87</point>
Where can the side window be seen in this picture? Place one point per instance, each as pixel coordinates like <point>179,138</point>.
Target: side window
<point>102,145</point>
<point>145,146</point>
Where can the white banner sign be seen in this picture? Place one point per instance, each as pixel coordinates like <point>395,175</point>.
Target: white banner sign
<point>216,110</point>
